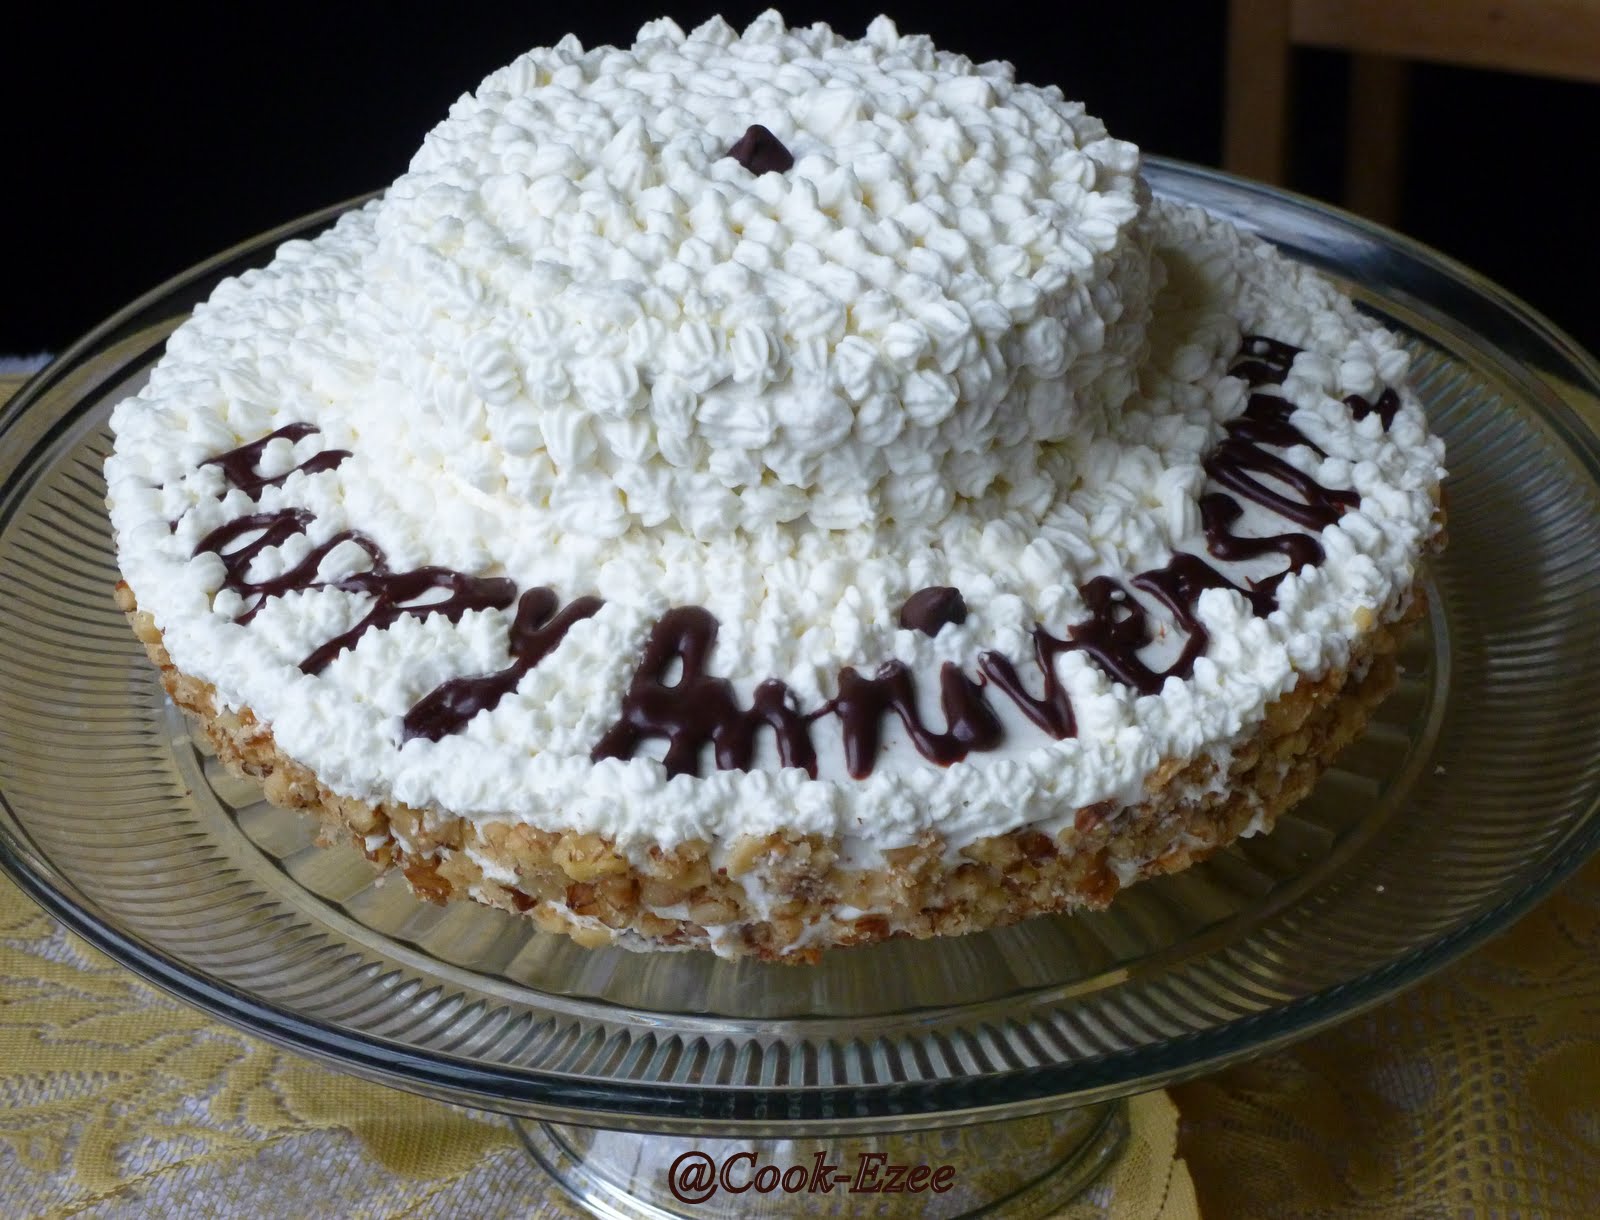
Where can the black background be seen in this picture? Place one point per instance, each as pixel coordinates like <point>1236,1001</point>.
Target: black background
<point>141,139</point>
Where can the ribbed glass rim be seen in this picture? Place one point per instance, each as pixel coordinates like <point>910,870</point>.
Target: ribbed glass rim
<point>1409,278</point>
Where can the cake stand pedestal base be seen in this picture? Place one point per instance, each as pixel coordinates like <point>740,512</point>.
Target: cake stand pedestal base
<point>1020,1168</point>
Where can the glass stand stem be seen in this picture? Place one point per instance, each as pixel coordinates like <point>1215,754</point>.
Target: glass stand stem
<point>1019,1169</point>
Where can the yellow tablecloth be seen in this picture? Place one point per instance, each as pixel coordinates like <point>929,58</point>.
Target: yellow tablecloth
<point>116,1101</point>
<point>1477,1094</point>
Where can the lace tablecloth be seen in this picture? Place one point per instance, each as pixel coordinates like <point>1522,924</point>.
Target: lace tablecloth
<point>119,1102</point>
<point>1475,1095</point>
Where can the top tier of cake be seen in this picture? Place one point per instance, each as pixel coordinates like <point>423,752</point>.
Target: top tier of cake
<point>579,301</point>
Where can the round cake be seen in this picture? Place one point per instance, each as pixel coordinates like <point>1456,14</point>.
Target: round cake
<point>765,492</point>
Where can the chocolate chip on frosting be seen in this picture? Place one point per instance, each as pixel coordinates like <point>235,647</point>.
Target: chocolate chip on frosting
<point>931,609</point>
<point>761,152</point>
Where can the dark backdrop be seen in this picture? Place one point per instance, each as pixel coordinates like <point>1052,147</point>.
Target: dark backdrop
<point>140,140</point>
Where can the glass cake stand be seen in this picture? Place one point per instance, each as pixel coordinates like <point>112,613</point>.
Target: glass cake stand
<point>1001,1055</point>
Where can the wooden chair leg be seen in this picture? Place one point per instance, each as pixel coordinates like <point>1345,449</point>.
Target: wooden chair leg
<point>1254,135</point>
<point>1374,171</point>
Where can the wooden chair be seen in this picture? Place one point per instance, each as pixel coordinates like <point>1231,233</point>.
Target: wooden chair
<point>1543,37</point>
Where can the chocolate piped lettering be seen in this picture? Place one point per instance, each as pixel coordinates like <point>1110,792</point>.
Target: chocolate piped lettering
<point>535,633</point>
<point>240,466</point>
<point>1115,632</point>
<point>1387,407</point>
<point>1265,421</point>
<point>395,594</point>
<point>1178,587</point>
<point>970,723</point>
<point>1051,711</point>
<point>1239,459</point>
<point>255,533</point>
<point>398,594</point>
<point>1265,361</point>
<point>695,710</point>
<point>1218,513</point>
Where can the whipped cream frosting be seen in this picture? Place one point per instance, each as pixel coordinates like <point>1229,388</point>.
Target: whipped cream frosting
<point>578,347</point>
<point>595,310</point>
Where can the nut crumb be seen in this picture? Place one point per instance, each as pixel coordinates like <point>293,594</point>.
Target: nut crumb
<point>579,884</point>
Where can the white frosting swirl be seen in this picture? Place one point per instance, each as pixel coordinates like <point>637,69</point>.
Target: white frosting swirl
<point>575,271</point>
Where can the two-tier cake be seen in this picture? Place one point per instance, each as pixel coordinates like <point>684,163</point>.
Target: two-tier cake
<point>767,492</point>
